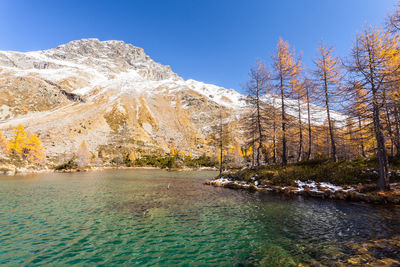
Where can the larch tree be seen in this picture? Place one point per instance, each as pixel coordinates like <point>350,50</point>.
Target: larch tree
<point>393,20</point>
<point>285,67</point>
<point>372,65</point>
<point>297,92</point>
<point>274,130</point>
<point>307,85</point>
<point>257,86</point>
<point>220,137</point>
<point>393,27</point>
<point>4,147</point>
<point>221,142</point>
<point>36,153</point>
<point>27,145</point>
<point>83,155</point>
<point>359,110</point>
<point>397,129</point>
<point>18,141</point>
<point>327,78</point>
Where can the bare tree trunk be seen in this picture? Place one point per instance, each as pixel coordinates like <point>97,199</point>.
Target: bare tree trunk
<point>220,142</point>
<point>274,132</point>
<point>274,143</point>
<point>383,182</point>
<point>332,139</point>
<point>389,128</point>
<point>260,139</point>
<point>253,151</point>
<point>361,137</point>
<point>397,131</point>
<point>300,152</point>
<point>284,156</point>
<point>309,125</point>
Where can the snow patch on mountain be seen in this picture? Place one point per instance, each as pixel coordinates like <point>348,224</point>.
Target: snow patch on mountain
<point>116,68</point>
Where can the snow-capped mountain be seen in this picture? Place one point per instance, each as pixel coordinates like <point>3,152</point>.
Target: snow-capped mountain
<point>113,96</point>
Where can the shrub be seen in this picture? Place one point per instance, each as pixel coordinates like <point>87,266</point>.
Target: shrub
<point>202,161</point>
<point>71,164</point>
<point>156,161</point>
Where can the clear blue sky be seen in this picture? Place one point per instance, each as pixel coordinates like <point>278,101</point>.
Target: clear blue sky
<point>214,41</point>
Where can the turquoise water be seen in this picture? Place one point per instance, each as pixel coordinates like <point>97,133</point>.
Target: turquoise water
<point>130,217</point>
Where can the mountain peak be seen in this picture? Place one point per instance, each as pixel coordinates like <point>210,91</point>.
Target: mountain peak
<point>106,57</point>
<point>112,56</point>
<point>84,46</point>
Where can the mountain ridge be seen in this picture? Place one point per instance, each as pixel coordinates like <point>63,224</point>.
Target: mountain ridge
<point>109,93</point>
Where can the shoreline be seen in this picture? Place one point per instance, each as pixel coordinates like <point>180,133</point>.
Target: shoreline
<point>322,190</point>
<point>12,170</point>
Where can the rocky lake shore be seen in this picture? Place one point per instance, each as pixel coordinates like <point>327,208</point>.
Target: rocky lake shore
<point>321,190</point>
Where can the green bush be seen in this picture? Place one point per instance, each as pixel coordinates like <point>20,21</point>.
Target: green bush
<point>156,161</point>
<point>202,161</point>
<point>71,164</point>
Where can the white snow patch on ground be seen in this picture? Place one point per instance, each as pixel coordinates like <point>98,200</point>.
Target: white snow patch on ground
<point>313,186</point>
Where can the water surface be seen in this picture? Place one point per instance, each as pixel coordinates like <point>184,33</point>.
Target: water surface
<point>155,217</point>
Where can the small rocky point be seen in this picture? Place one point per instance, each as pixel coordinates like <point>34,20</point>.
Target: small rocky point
<point>364,193</point>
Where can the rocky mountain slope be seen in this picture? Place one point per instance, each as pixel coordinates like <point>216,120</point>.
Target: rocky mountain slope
<point>113,96</point>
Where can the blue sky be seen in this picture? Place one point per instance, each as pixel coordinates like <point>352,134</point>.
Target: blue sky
<point>215,41</point>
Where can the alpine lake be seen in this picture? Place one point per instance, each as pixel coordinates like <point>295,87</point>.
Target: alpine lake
<point>163,218</point>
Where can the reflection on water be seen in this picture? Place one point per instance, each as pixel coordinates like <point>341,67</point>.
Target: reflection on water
<point>131,217</point>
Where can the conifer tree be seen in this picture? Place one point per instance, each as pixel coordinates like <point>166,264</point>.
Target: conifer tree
<point>285,67</point>
<point>221,141</point>
<point>307,85</point>
<point>393,20</point>
<point>18,141</point>
<point>220,138</point>
<point>35,151</point>
<point>373,56</point>
<point>27,145</point>
<point>274,131</point>
<point>4,147</point>
<point>257,86</point>
<point>327,77</point>
<point>83,155</point>
<point>297,92</point>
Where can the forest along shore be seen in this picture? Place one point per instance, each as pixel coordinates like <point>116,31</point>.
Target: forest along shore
<point>11,171</point>
<point>14,164</point>
<point>346,180</point>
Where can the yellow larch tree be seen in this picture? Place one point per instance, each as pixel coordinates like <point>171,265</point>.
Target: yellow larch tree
<point>374,62</point>
<point>327,76</point>
<point>285,68</point>
<point>27,145</point>
<point>4,147</point>
<point>34,148</point>
<point>18,141</point>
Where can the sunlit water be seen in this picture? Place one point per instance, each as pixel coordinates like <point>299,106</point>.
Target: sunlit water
<point>132,218</point>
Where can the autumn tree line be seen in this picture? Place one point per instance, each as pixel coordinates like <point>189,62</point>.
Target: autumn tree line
<point>280,123</point>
